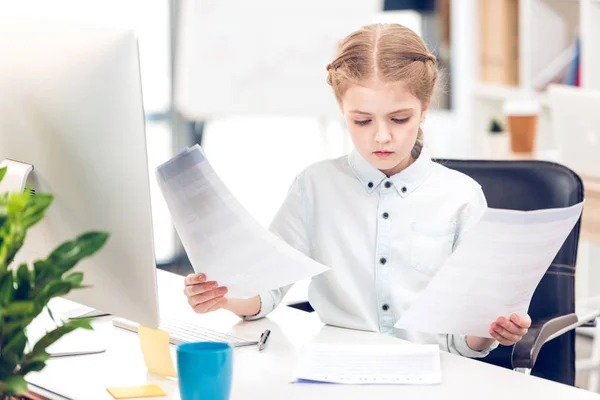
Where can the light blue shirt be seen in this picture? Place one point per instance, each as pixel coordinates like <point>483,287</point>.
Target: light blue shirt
<point>384,239</point>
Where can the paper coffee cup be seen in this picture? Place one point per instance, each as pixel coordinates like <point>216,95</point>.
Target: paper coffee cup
<point>521,119</point>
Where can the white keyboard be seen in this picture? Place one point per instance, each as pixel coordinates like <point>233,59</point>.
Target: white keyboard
<point>185,331</point>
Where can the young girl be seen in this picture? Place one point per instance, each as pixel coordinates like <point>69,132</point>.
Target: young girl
<point>383,218</point>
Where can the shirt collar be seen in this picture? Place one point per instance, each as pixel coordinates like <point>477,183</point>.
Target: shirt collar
<point>405,182</point>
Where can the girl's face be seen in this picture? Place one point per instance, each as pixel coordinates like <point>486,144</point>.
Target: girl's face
<point>383,120</point>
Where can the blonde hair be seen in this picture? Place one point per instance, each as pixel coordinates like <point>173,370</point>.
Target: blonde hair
<point>390,53</point>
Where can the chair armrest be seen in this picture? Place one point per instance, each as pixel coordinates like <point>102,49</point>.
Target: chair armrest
<point>589,324</point>
<point>584,318</point>
<point>525,352</point>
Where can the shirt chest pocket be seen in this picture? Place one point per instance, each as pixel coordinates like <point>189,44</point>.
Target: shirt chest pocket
<point>431,244</point>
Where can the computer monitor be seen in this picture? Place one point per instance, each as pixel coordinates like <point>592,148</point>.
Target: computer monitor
<point>576,125</point>
<point>71,106</point>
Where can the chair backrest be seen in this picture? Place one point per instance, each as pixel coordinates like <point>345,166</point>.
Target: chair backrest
<point>532,185</point>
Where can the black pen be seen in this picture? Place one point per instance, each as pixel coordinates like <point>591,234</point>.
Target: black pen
<point>263,339</point>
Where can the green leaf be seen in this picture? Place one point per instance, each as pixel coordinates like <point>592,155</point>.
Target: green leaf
<point>91,242</point>
<point>83,323</point>
<point>59,332</point>
<point>3,219</point>
<point>15,385</point>
<point>17,202</point>
<point>2,173</point>
<point>19,308</point>
<point>36,209</point>
<point>12,244</point>
<point>16,345</point>
<point>24,282</point>
<point>9,364</point>
<point>65,256</point>
<point>44,271</point>
<point>68,254</point>
<point>41,357</point>
<point>57,288</point>
<point>32,366</point>
<point>17,324</point>
<point>24,274</point>
<point>7,289</point>
<point>74,278</point>
<point>31,358</point>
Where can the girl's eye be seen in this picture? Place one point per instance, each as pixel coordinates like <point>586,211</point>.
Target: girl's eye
<point>400,121</point>
<point>363,122</point>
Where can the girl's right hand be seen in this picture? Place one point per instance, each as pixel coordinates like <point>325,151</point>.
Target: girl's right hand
<point>202,295</point>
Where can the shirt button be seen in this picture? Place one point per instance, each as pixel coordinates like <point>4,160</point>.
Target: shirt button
<point>370,185</point>
<point>388,184</point>
<point>385,307</point>
<point>385,215</point>
<point>382,260</point>
<point>403,189</point>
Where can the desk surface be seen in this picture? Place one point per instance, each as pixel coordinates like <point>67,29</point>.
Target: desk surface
<point>267,374</point>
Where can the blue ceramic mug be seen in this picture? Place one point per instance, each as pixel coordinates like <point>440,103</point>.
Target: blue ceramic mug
<point>205,370</point>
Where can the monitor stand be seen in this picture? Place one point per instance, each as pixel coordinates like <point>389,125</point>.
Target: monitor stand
<point>82,343</point>
<point>83,312</point>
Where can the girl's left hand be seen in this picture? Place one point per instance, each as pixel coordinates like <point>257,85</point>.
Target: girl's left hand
<point>510,331</point>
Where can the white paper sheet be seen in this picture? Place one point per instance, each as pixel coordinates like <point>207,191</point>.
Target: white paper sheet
<point>369,364</point>
<point>493,272</point>
<point>220,237</point>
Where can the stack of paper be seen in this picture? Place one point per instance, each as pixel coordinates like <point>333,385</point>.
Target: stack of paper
<point>370,364</point>
<point>220,237</point>
<point>493,272</point>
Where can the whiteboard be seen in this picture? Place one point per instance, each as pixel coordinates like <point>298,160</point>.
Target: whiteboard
<point>240,57</point>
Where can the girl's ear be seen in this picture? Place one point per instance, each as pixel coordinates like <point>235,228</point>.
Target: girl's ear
<point>424,111</point>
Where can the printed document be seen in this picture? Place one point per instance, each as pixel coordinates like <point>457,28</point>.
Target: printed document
<point>220,237</point>
<point>412,364</point>
<point>493,272</point>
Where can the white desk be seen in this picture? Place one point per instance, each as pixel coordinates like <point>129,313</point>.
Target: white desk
<point>266,375</point>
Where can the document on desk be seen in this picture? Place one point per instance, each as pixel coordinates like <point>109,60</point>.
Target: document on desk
<point>412,364</point>
<point>220,237</point>
<point>493,272</point>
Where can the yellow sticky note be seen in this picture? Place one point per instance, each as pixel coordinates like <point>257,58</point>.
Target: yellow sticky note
<point>155,348</point>
<point>136,392</point>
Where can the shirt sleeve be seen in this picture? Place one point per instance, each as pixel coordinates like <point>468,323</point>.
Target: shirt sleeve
<point>469,215</point>
<point>467,219</point>
<point>457,344</point>
<point>291,225</point>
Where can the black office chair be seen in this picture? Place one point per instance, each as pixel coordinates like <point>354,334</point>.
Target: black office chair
<point>423,6</point>
<point>532,185</point>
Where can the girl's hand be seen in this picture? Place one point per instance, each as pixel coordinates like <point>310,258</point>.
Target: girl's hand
<point>510,331</point>
<point>204,296</point>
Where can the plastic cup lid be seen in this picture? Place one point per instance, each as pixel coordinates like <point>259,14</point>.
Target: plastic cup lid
<point>521,107</point>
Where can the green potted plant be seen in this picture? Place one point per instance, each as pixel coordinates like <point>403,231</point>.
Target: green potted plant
<point>497,140</point>
<point>496,126</point>
<point>25,290</point>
